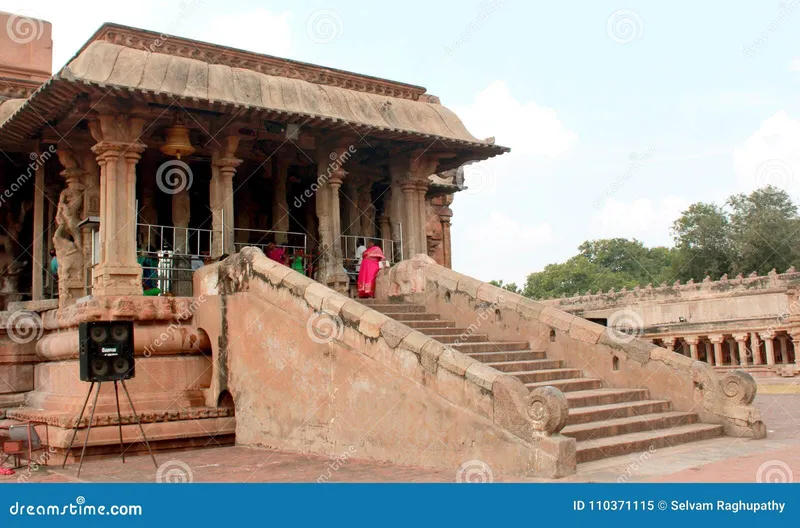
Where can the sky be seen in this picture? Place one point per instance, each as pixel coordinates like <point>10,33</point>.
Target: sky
<point>618,115</point>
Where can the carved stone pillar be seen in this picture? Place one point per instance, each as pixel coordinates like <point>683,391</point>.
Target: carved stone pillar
<point>280,206</point>
<point>708,348</point>
<point>386,231</point>
<point>755,348</point>
<point>148,238</point>
<point>716,340</point>
<point>352,225</point>
<point>117,150</point>
<point>692,341</point>
<point>733,348</point>
<point>182,275</point>
<point>331,176</point>
<point>397,205</point>
<point>784,349</point>
<point>445,216</point>
<point>669,343</point>
<point>68,237</point>
<point>741,346</point>
<point>40,258</point>
<point>366,209</point>
<point>769,348</point>
<point>796,343</point>
<point>410,228</point>
<point>422,211</point>
<point>223,168</point>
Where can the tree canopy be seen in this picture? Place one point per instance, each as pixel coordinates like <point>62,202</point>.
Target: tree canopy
<point>750,232</point>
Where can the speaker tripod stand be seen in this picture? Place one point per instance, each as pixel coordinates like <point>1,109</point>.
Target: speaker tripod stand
<point>119,422</point>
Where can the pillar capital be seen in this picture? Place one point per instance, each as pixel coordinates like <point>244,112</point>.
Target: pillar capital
<point>740,338</point>
<point>692,340</point>
<point>717,339</point>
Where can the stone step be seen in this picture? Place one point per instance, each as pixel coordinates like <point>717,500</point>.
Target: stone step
<point>605,397</point>
<point>568,385</point>
<point>398,308</point>
<point>452,339</point>
<point>535,376</point>
<point>425,325</point>
<point>492,346</point>
<point>512,355</point>
<point>401,316</point>
<point>440,330</point>
<point>520,366</point>
<point>628,425</point>
<point>642,441</point>
<point>610,411</point>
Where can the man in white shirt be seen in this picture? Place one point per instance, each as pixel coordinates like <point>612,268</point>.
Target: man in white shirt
<point>360,253</point>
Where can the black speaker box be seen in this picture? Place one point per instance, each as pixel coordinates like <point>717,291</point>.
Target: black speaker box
<point>106,350</point>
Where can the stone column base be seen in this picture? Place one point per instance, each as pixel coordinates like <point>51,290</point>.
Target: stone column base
<point>117,280</point>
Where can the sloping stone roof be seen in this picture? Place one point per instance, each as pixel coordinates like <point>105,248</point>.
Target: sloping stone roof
<point>124,70</point>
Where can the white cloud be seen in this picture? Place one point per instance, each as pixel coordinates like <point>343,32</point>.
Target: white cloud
<point>794,65</point>
<point>770,156</point>
<point>529,129</point>
<point>643,219</point>
<point>500,247</point>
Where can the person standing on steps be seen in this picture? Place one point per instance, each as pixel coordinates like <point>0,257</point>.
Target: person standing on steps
<point>368,272</point>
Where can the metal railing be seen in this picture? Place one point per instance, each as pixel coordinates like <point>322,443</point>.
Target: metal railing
<point>350,245</point>
<point>169,255</point>
<point>291,241</point>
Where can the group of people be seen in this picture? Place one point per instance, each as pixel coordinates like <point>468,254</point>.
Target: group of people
<point>369,256</point>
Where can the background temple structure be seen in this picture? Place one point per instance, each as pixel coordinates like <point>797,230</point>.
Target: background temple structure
<point>742,322</point>
<point>152,163</point>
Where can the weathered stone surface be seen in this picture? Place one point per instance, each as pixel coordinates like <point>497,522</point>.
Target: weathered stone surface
<point>456,362</point>
<point>315,294</point>
<point>352,312</point>
<point>430,354</point>
<point>333,303</point>
<point>394,332</point>
<point>556,318</point>
<point>492,294</point>
<point>585,331</point>
<point>469,286</point>
<point>415,341</point>
<point>548,408</point>
<point>482,375</point>
<point>296,283</point>
<point>371,323</point>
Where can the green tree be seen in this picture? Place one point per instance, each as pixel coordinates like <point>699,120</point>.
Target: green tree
<point>511,286</point>
<point>577,275</point>
<point>702,243</point>
<point>764,228</point>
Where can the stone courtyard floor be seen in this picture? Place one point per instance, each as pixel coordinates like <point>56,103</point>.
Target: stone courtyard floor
<point>720,460</point>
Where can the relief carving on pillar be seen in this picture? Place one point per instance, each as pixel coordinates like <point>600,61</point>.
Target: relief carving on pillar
<point>68,241</point>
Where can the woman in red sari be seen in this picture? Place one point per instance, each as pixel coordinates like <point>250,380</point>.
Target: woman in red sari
<point>370,265</point>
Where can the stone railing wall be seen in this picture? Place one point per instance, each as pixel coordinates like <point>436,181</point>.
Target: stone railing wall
<point>390,392</point>
<point>618,359</point>
<point>707,289</point>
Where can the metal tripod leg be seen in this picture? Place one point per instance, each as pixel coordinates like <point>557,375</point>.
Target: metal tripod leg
<point>89,427</point>
<point>119,421</point>
<point>77,424</point>
<point>139,422</point>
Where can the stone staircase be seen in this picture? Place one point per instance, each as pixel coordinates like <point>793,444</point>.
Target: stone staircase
<point>605,422</point>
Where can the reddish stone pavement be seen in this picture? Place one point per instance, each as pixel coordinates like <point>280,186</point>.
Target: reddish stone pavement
<point>718,460</point>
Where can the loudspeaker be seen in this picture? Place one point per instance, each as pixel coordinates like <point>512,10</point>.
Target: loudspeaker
<point>106,350</point>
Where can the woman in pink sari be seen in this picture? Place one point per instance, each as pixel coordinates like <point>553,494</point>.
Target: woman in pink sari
<point>370,265</point>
